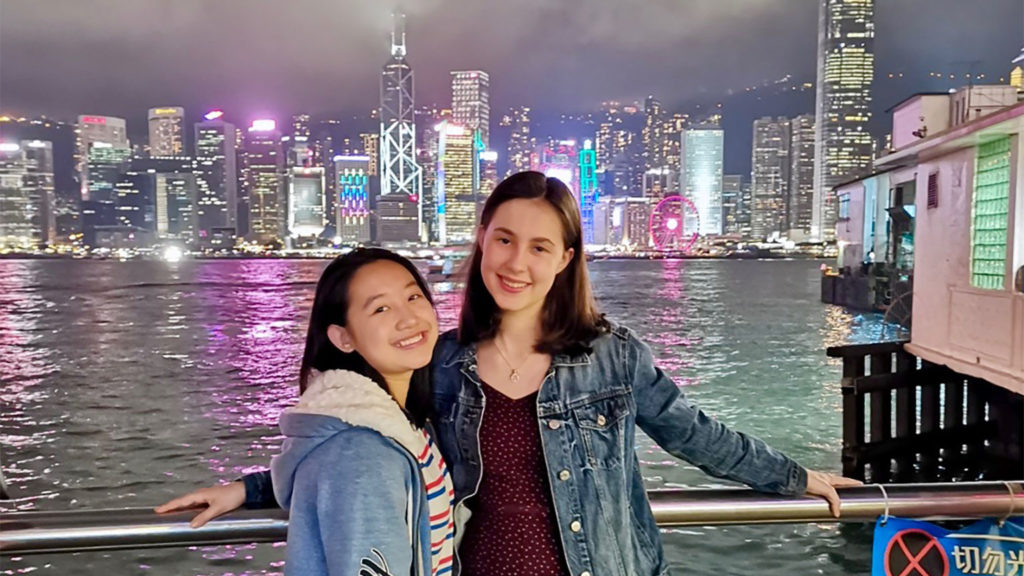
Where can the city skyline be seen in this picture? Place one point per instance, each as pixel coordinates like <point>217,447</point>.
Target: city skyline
<point>630,143</point>
<point>48,50</point>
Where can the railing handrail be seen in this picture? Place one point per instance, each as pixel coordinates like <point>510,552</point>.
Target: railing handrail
<point>133,528</point>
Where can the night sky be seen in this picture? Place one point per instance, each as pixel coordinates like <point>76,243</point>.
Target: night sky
<point>254,57</point>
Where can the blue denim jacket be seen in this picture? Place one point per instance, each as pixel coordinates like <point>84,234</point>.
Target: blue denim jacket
<point>588,409</point>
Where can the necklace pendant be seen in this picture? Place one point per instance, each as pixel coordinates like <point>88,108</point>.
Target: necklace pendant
<point>513,376</point>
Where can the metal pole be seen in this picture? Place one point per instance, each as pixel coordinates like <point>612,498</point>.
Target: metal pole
<point>954,501</point>
<point>132,528</point>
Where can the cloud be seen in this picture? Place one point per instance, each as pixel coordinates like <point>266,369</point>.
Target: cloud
<point>121,56</point>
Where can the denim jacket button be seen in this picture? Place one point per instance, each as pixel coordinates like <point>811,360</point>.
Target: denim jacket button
<point>601,420</point>
<point>472,367</point>
<point>554,424</point>
<point>564,475</point>
<point>575,526</point>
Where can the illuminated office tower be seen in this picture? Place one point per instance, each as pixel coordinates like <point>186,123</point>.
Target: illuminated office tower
<point>846,68</point>
<point>166,131</point>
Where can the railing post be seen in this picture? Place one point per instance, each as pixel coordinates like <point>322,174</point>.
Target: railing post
<point>853,417</point>
<point>881,417</point>
<point>931,419</point>
<point>953,401</point>
<point>906,413</point>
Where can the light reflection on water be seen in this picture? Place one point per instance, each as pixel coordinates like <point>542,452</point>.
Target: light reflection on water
<point>126,383</point>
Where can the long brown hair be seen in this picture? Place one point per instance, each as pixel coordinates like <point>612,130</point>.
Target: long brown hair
<point>569,319</point>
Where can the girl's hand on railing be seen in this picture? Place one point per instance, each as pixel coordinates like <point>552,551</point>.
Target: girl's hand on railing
<point>218,500</point>
<point>824,486</point>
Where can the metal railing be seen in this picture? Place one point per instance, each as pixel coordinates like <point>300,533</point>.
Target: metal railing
<point>131,528</point>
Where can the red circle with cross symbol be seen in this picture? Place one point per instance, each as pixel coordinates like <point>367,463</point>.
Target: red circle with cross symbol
<point>915,553</point>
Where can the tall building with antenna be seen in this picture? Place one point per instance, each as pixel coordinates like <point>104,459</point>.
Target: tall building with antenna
<point>399,208</point>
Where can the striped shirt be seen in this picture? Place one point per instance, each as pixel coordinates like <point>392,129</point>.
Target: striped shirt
<point>440,501</point>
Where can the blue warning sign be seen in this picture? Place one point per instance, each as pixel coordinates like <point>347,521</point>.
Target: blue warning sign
<point>915,548</point>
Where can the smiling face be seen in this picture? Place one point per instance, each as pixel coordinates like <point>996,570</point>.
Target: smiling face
<point>389,322</point>
<point>523,251</point>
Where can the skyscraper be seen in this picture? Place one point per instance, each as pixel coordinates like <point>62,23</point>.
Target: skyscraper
<point>398,209</point>
<point>175,199</point>
<point>520,144</point>
<point>265,175</point>
<point>801,178</point>
<point>603,139</point>
<point>156,198</point>
<point>629,222</point>
<point>770,166</point>
<point>732,199</point>
<point>560,159</point>
<point>242,163</point>
<point>488,171</point>
<point>104,166</point>
<point>352,190</point>
<point>39,180</point>
<point>701,149</point>
<point>670,140</point>
<point>456,190</point>
<point>660,183</point>
<point>106,129</point>
<point>588,194</point>
<point>166,131</point>
<point>428,119</point>
<point>216,179</point>
<point>653,134</point>
<point>846,67</point>
<point>136,199</point>
<point>298,152</point>
<point>471,104</point>
<point>307,206</point>
<point>16,229</point>
<point>620,150</point>
<point>26,194</point>
<point>371,148</point>
<point>323,154</point>
<point>300,125</point>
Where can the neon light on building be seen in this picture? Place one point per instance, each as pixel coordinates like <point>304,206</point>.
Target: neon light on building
<point>588,194</point>
<point>352,212</point>
<point>263,125</point>
<point>560,161</point>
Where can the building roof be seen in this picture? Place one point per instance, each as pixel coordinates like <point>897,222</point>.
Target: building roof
<point>911,97</point>
<point>1008,120</point>
<point>860,178</point>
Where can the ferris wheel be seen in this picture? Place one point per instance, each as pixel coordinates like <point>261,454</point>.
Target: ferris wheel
<point>674,224</point>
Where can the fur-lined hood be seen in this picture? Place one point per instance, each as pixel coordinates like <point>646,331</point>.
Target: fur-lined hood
<point>334,402</point>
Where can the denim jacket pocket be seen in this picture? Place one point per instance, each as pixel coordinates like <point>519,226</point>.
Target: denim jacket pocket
<point>602,426</point>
